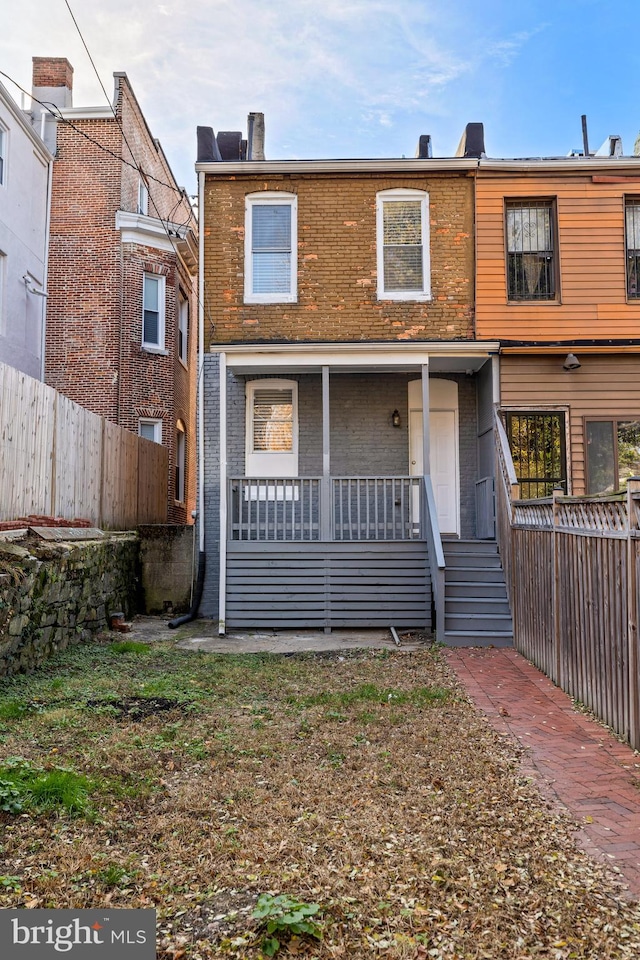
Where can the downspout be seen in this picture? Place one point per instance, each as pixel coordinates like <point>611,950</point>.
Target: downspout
<point>197,596</point>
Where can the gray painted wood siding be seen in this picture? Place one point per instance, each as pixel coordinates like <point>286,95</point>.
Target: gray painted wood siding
<point>317,585</point>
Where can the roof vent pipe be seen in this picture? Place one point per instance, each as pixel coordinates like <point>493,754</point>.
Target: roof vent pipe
<point>585,138</point>
<point>472,141</point>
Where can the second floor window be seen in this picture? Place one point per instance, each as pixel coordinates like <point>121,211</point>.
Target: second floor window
<point>183,329</point>
<point>271,248</point>
<point>143,198</point>
<point>403,245</point>
<point>153,311</point>
<point>531,250</point>
<point>632,222</point>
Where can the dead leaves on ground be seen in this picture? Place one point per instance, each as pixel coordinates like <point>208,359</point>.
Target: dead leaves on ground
<point>405,818</point>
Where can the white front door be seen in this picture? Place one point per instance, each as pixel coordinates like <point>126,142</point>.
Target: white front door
<point>443,431</point>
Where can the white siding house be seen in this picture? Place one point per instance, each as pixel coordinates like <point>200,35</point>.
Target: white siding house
<point>25,196</point>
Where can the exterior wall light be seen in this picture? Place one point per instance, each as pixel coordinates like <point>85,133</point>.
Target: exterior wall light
<point>571,363</point>
<point>395,418</point>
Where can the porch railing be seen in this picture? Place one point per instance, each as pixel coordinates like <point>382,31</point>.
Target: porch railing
<point>354,508</point>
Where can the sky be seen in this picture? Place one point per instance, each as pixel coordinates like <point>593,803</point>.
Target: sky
<point>347,78</point>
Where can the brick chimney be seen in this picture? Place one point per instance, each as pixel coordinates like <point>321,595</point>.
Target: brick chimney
<point>52,80</point>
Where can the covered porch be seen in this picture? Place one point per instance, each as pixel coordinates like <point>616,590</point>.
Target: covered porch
<point>336,490</point>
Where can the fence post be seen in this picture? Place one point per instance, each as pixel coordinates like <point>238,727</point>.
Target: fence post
<point>633,487</point>
<point>555,590</point>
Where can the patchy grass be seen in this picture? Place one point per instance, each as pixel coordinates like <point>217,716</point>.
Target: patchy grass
<point>362,786</point>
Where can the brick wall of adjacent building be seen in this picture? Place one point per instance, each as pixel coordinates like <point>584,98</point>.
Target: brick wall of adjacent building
<point>94,322</point>
<point>337,294</point>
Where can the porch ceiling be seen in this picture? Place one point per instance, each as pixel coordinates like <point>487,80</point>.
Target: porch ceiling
<point>353,357</point>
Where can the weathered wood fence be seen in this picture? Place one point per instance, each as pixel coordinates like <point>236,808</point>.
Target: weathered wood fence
<point>56,458</point>
<point>573,574</point>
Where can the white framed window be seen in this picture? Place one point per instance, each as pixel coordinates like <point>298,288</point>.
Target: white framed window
<point>3,155</point>
<point>181,460</point>
<point>271,428</point>
<point>150,429</point>
<point>183,328</point>
<point>153,308</point>
<point>143,198</point>
<point>402,240</point>
<point>271,248</point>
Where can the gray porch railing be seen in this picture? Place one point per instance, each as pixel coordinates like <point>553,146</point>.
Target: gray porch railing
<point>354,508</point>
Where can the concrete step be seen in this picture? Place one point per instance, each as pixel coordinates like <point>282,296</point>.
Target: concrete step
<point>475,588</point>
<point>477,638</point>
<point>480,606</point>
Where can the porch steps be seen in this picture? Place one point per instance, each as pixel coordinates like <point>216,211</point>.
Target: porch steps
<point>476,606</point>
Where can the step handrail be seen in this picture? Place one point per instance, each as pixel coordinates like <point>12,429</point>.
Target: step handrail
<point>436,556</point>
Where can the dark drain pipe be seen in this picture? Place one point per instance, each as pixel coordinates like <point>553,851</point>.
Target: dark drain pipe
<point>197,595</point>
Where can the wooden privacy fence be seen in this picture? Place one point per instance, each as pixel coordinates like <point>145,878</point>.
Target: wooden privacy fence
<point>56,458</point>
<point>573,575</point>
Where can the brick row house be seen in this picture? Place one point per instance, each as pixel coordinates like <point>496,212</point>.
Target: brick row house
<point>558,252</point>
<point>340,307</point>
<point>121,332</point>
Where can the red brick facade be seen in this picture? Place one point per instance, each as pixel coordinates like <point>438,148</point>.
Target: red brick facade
<point>337,275</point>
<point>94,352</point>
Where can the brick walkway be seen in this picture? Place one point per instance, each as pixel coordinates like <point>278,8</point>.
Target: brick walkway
<point>574,759</point>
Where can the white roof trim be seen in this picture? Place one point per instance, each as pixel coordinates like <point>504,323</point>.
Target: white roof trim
<point>399,164</point>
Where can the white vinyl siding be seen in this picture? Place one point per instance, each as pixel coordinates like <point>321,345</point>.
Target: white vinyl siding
<point>271,248</point>
<point>272,428</point>
<point>3,155</point>
<point>153,307</point>
<point>402,234</point>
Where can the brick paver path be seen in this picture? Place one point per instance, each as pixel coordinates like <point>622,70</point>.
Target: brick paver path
<point>574,759</point>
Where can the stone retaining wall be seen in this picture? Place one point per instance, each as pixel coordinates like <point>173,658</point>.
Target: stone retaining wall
<point>55,595</point>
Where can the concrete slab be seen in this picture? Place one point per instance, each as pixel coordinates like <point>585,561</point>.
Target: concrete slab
<point>203,635</point>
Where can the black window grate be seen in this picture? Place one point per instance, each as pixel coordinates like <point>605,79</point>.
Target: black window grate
<point>530,250</point>
<point>537,443</point>
<point>632,219</point>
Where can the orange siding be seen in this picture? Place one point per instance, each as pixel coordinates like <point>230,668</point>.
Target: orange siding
<point>604,386</point>
<point>591,253</point>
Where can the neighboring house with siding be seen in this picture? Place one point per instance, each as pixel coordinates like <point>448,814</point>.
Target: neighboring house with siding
<point>558,258</point>
<point>340,306</point>
<point>121,332</point>
<point>25,179</point>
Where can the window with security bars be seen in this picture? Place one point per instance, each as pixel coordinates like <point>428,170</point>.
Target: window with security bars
<point>403,255</point>
<point>632,222</point>
<point>273,421</point>
<point>531,258</point>
<point>270,249</point>
<point>538,449</point>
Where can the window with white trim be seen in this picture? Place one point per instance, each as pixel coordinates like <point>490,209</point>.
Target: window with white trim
<point>3,155</point>
<point>402,233</point>
<point>181,460</point>
<point>271,245</point>
<point>183,328</point>
<point>150,429</point>
<point>153,307</point>
<point>272,428</point>
<point>143,198</point>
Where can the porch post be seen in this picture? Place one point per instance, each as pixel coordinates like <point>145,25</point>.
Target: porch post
<point>426,450</point>
<point>325,486</point>
<point>222,594</point>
